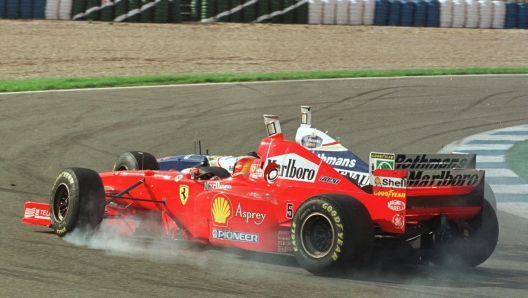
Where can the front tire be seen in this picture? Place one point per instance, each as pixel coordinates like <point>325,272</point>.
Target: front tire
<point>77,202</point>
<point>330,231</point>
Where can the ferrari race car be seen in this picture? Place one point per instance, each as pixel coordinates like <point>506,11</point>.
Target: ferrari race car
<point>333,153</point>
<point>286,199</point>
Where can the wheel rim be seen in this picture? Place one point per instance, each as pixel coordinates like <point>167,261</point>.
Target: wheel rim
<point>61,202</point>
<point>317,235</point>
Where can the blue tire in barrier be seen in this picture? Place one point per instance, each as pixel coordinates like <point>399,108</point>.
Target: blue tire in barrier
<point>512,9</point>
<point>433,13</point>
<point>3,9</point>
<point>26,9</point>
<point>13,9</point>
<point>522,16</point>
<point>407,13</point>
<point>420,13</point>
<point>394,12</point>
<point>381,13</point>
<point>39,7</point>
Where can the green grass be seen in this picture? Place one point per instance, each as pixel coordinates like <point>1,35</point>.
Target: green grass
<point>517,159</point>
<point>74,83</point>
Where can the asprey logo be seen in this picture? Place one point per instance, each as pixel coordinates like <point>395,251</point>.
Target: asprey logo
<point>295,167</point>
<point>221,210</point>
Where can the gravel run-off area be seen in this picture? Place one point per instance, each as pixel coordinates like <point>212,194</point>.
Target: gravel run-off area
<point>48,49</point>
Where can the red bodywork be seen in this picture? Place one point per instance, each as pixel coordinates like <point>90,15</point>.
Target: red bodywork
<point>253,209</point>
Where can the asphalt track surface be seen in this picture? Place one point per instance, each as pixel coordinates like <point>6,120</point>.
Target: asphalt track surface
<point>42,133</point>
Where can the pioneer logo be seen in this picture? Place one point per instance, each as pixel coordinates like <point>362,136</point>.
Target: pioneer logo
<point>444,178</point>
<point>295,167</point>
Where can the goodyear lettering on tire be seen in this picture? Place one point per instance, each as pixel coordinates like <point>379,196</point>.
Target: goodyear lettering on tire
<point>340,233</point>
<point>292,236</point>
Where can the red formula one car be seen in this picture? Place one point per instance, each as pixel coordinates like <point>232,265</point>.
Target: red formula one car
<point>285,200</point>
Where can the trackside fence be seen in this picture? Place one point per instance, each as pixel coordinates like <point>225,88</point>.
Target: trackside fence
<point>417,13</point>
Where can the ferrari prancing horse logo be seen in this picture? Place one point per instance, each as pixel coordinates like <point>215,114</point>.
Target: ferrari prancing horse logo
<point>184,193</point>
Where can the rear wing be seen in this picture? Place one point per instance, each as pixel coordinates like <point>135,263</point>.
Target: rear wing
<point>455,170</point>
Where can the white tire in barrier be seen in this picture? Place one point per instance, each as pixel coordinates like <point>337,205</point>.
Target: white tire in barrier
<point>315,12</point>
<point>485,14</point>
<point>499,14</point>
<point>369,10</point>
<point>472,14</point>
<point>446,13</point>
<point>459,14</point>
<point>329,12</point>
<point>51,12</point>
<point>355,12</point>
<point>342,12</point>
<point>65,9</point>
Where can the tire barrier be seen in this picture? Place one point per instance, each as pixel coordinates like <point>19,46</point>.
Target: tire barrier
<point>511,15</point>
<point>107,10</point>
<point>381,16</point>
<point>407,12</point>
<point>522,16</point>
<point>472,14</point>
<point>433,13</point>
<point>420,14</point>
<point>369,11</point>
<point>485,14</point>
<point>459,14</point>
<point>499,15</point>
<point>12,9</point>
<point>341,12</point>
<point>395,11</point>
<point>417,13</point>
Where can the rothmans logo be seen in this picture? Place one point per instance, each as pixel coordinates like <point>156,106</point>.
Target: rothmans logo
<point>295,167</point>
<point>221,210</point>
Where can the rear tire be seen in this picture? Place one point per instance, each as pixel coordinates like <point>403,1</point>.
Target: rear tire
<point>136,160</point>
<point>331,231</point>
<point>473,245</point>
<point>489,195</point>
<point>77,202</point>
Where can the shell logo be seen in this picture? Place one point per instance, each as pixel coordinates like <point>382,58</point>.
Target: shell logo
<point>221,210</point>
<point>377,181</point>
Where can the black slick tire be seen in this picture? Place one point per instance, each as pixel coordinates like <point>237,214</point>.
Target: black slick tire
<point>331,231</point>
<point>474,243</point>
<point>136,160</point>
<point>77,202</point>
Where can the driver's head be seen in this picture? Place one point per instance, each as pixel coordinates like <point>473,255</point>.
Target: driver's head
<point>243,164</point>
